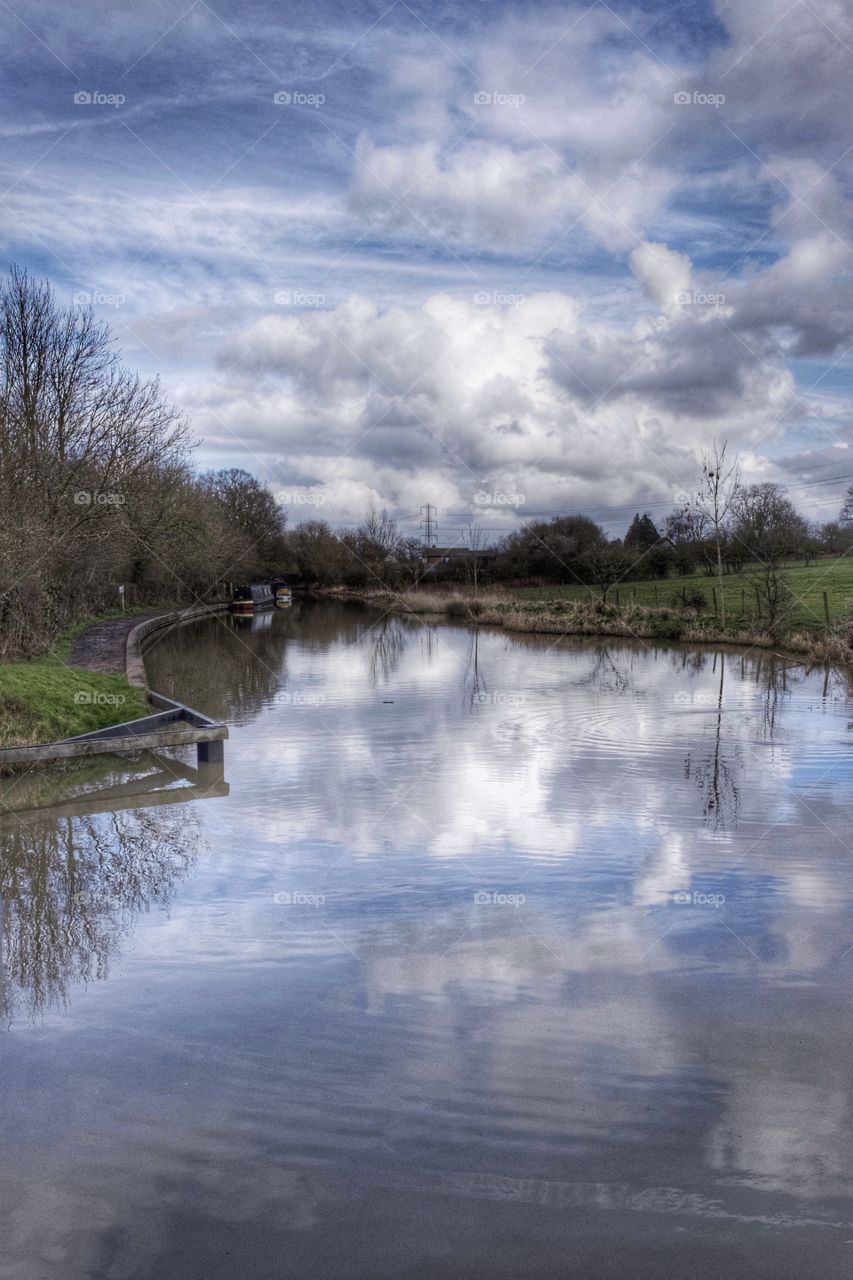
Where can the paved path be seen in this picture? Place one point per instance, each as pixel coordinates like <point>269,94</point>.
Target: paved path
<point>102,647</point>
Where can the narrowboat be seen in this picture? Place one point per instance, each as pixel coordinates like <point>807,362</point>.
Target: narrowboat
<point>252,599</point>
<point>283,597</point>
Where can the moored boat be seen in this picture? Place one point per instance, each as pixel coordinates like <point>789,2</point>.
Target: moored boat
<point>253,598</point>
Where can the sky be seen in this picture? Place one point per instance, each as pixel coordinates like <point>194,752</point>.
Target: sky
<point>513,260</point>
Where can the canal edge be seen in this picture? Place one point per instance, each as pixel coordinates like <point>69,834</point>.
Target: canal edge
<point>135,644</point>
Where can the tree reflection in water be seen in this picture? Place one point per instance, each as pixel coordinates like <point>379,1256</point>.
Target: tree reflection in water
<point>231,668</point>
<point>713,774</point>
<point>387,644</point>
<point>777,677</point>
<point>72,886</point>
<point>605,675</point>
<point>474,680</point>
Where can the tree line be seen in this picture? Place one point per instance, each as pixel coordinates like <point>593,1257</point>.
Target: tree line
<point>96,483</point>
<point>725,526</point>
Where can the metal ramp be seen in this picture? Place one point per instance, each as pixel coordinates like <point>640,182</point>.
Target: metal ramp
<point>174,725</point>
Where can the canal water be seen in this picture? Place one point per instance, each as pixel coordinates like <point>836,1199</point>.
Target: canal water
<point>489,956</point>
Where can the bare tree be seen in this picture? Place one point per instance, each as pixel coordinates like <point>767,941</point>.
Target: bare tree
<point>380,529</point>
<point>474,541</point>
<point>686,533</point>
<point>605,566</point>
<point>95,485</point>
<point>719,489</point>
<point>766,523</point>
<point>773,596</point>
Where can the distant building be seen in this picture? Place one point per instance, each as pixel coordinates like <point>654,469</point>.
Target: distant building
<point>438,557</point>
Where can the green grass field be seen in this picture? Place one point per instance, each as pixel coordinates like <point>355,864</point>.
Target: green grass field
<point>807,582</point>
<point>42,700</point>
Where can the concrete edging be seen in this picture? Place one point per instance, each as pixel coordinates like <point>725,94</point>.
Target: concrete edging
<point>173,725</point>
<point>135,644</point>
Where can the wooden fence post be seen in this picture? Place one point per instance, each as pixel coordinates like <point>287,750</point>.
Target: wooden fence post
<point>826,607</point>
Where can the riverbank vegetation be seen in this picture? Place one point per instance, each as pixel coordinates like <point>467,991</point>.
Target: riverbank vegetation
<point>732,563</point>
<point>676,561</point>
<point>531,611</point>
<point>96,486</point>
<point>807,583</point>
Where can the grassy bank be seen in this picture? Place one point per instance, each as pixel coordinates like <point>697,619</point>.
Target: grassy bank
<point>532,612</point>
<point>806,582</point>
<point>43,699</point>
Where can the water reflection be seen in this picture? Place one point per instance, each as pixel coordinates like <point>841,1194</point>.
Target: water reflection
<point>82,855</point>
<point>713,773</point>
<point>230,665</point>
<point>386,645</point>
<point>507,956</point>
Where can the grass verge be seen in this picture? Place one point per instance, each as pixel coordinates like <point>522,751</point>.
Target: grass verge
<point>42,699</point>
<point>806,582</point>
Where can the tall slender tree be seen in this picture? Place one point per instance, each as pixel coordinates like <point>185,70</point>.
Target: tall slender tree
<point>718,490</point>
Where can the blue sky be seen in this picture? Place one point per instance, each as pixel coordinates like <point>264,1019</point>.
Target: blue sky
<point>507,259</point>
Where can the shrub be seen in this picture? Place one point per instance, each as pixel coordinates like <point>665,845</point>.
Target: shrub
<point>665,626</point>
<point>691,598</point>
